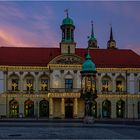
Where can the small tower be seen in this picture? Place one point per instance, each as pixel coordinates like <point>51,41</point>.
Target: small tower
<point>67,44</point>
<point>111,44</point>
<point>88,87</point>
<point>92,42</point>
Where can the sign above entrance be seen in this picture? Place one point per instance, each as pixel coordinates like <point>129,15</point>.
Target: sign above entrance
<point>66,95</point>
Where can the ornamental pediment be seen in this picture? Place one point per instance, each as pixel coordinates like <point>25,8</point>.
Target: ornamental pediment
<point>67,59</point>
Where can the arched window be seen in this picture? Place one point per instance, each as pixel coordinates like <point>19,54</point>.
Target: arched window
<point>44,108</point>
<point>44,83</point>
<point>94,109</point>
<point>13,82</point>
<point>106,109</point>
<point>120,84</point>
<point>29,82</point>
<point>13,108</point>
<point>106,84</point>
<point>120,109</point>
<point>29,108</point>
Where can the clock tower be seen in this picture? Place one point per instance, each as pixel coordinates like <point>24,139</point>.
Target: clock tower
<point>67,44</point>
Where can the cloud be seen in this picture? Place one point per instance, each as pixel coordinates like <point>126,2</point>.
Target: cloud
<point>18,37</point>
<point>9,10</point>
<point>17,28</point>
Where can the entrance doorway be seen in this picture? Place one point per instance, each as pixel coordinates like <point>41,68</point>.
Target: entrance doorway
<point>68,109</point>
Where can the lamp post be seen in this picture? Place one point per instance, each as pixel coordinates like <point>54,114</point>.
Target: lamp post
<point>88,89</point>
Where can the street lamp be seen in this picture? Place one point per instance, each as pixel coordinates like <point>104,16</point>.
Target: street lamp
<point>88,87</point>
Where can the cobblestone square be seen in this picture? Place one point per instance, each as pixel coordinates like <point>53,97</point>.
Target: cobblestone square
<point>45,130</point>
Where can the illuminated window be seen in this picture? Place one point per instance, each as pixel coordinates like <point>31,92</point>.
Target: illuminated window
<point>13,108</point>
<point>105,85</point>
<point>14,85</point>
<point>29,84</point>
<point>44,84</point>
<point>119,86</point>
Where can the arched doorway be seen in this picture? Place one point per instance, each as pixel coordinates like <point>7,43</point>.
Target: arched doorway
<point>120,109</point>
<point>68,108</point>
<point>44,108</point>
<point>94,109</point>
<point>13,108</point>
<point>106,109</point>
<point>139,109</point>
<point>29,108</point>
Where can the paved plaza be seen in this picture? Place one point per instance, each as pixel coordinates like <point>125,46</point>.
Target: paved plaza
<point>44,130</point>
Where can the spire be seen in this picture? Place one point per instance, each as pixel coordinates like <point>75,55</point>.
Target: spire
<point>111,44</point>
<point>92,42</point>
<point>92,32</point>
<point>111,33</point>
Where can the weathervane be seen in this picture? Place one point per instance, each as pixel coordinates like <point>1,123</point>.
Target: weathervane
<point>67,12</point>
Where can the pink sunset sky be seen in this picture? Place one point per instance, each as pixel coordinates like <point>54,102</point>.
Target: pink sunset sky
<point>37,24</point>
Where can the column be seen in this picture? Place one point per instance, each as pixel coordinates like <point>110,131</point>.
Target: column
<point>5,81</point>
<point>113,84</point>
<point>62,108</point>
<point>21,82</point>
<point>99,84</point>
<point>36,82</point>
<point>132,84</point>
<point>113,109</point>
<point>62,79</point>
<point>75,108</point>
<point>51,108</point>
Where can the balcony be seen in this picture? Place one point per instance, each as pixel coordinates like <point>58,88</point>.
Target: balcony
<point>62,90</point>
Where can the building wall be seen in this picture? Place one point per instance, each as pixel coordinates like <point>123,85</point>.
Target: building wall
<point>57,80</point>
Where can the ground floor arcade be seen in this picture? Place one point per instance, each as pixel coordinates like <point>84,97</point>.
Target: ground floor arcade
<point>72,106</point>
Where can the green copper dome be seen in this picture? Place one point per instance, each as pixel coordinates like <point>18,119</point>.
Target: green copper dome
<point>67,21</point>
<point>88,65</point>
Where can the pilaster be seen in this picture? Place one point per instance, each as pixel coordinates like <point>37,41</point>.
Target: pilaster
<point>51,108</point>
<point>62,108</point>
<point>75,108</point>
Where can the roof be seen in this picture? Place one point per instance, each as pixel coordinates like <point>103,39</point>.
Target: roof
<point>88,65</point>
<point>67,21</point>
<point>103,58</point>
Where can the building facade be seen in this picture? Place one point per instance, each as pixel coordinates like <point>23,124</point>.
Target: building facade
<point>46,82</point>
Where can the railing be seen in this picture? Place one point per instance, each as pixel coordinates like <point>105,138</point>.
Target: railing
<point>60,90</point>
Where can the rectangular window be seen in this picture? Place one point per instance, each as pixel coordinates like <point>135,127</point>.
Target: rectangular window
<point>44,84</point>
<point>68,83</point>
<point>105,85</point>
<point>14,84</point>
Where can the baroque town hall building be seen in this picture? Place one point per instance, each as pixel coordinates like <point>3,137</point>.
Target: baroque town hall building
<point>46,82</point>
